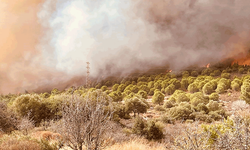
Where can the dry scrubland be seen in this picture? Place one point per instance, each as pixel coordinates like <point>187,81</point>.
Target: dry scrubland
<point>196,109</point>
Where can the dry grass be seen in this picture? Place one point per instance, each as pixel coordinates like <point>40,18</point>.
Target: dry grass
<point>138,144</point>
<point>46,135</point>
<point>16,144</point>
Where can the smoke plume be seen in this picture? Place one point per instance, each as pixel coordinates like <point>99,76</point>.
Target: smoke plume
<point>45,43</point>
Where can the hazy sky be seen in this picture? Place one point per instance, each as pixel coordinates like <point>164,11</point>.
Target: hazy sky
<point>45,43</point>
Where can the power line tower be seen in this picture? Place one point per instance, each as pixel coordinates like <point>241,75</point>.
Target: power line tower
<point>87,77</point>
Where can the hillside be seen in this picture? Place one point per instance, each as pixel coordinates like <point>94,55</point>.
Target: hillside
<point>206,108</point>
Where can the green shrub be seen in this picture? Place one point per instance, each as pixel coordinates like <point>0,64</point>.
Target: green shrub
<point>201,107</point>
<point>142,79</point>
<point>144,88</point>
<point>143,94</point>
<point>217,72</point>
<point>215,115</point>
<point>236,84</point>
<point>175,82</point>
<point>193,87</point>
<point>213,105</point>
<point>201,116</point>
<point>181,112</point>
<point>104,88</point>
<point>206,71</point>
<point>116,96</point>
<point>120,112</point>
<point>134,89</point>
<point>157,85</point>
<point>198,98</point>
<point>191,79</point>
<point>214,97</point>
<point>115,87</point>
<point>158,97</point>
<point>151,92</point>
<point>151,84</point>
<point>136,105</point>
<point>184,83</point>
<point>159,108</point>
<point>154,132</point>
<point>223,84</point>
<point>241,70</point>
<point>167,119</point>
<point>151,129</point>
<point>226,75</point>
<point>208,88</point>
<point>165,84</point>
<point>185,74</point>
<point>169,104</point>
<point>121,88</point>
<point>182,97</point>
<point>216,130</point>
<point>170,89</point>
<point>179,96</point>
<point>139,126</point>
<point>194,73</point>
<point>7,118</point>
<point>245,91</point>
<point>201,84</point>
<point>37,108</point>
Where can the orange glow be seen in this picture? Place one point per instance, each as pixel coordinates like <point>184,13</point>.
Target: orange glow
<point>170,70</point>
<point>239,48</point>
<point>208,65</point>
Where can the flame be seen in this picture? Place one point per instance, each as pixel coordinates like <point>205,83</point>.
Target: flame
<point>208,65</point>
<point>239,45</point>
<point>170,70</point>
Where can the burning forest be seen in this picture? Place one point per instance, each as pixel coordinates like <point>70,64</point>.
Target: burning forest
<point>127,74</point>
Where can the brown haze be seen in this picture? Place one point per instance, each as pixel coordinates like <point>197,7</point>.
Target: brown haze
<point>43,46</point>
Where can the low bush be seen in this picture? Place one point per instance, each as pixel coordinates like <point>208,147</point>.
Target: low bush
<point>181,112</point>
<point>170,89</point>
<point>213,105</point>
<point>7,119</point>
<point>209,88</point>
<point>194,73</point>
<point>136,105</point>
<point>150,130</point>
<point>217,72</point>
<point>226,75</point>
<point>198,98</point>
<point>154,132</point>
<point>179,96</point>
<point>169,104</point>
<point>184,83</point>
<point>158,97</point>
<point>201,116</point>
<point>143,94</point>
<point>245,91</point>
<point>151,92</point>
<point>159,108</point>
<point>175,82</point>
<point>214,97</point>
<point>115,87</point>
<point>104,88</point>
<point>201,107</point>
<point>116,96</point>
<point>193,87</point>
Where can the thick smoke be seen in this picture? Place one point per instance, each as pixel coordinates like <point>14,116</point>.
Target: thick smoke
<point>47,42</point>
